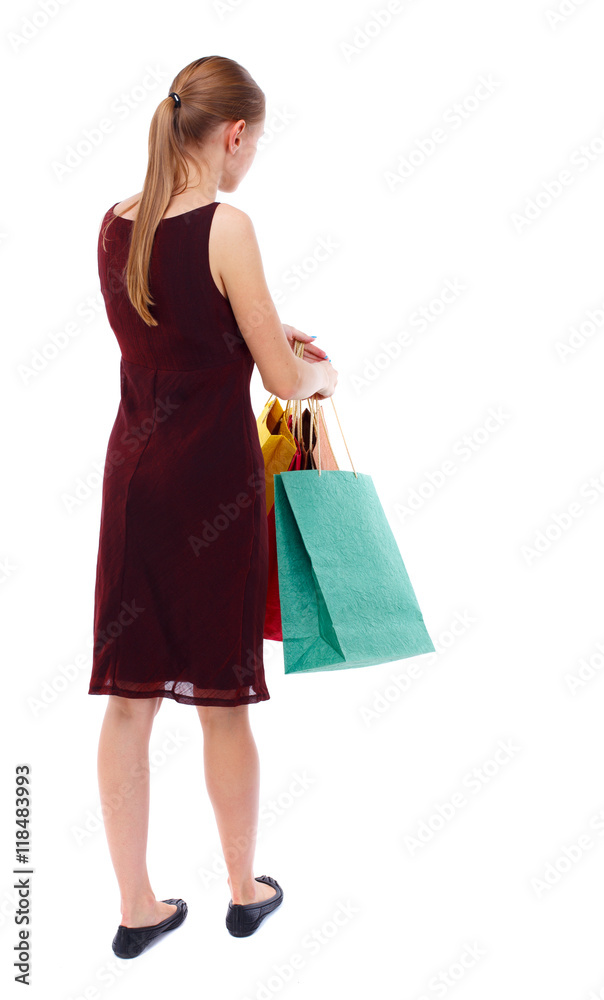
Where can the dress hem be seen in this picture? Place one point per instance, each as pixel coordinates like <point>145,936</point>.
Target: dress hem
<point>184,699</point>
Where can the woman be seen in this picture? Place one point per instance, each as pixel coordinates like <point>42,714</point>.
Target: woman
<point>182,567</point>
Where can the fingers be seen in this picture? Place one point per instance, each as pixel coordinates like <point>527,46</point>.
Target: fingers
<point>298,334</point>
<point>312,352</point>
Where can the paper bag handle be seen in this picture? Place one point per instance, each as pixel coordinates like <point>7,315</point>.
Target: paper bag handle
<point>313,405</point>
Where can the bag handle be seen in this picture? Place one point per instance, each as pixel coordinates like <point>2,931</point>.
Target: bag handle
<point>313,406</point>
<point>316,402</point>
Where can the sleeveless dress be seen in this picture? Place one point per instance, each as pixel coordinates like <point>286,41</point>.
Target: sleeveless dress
<point>182,565</point>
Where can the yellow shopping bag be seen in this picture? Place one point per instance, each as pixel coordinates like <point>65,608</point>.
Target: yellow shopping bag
<point>277,443</point>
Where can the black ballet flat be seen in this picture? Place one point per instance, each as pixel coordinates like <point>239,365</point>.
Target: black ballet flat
<point>243,919</point>
<point>131,941</point>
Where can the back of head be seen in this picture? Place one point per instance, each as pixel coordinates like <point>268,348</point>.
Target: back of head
<point>211,91</point>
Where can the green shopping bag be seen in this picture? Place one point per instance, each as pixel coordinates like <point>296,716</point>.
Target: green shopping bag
<point>346,598</point>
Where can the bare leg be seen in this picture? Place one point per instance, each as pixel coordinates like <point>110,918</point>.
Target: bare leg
<point>123,774</point>
<point>232,774</point>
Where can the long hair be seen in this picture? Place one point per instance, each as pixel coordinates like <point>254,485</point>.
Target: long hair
<point>212,90</point>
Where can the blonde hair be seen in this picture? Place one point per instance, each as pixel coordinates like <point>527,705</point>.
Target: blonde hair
<point>212,90</point>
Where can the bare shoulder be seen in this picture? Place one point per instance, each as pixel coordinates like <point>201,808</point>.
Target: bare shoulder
<point>122,207</point>
<point>232,221</point>
<point>231,229</point>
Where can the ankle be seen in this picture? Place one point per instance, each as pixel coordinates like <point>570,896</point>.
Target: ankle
<point>130,908</point>
<point>242,891</point>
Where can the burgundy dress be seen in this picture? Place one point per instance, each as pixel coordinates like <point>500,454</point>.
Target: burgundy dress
<point>182,566</point>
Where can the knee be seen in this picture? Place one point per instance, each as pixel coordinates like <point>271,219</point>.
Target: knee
<point>141,710</point>
<point>212,715</point>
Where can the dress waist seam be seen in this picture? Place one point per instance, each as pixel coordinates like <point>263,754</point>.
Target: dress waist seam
<point>203,368</point>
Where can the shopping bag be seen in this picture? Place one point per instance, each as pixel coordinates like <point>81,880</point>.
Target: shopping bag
<point>301,430</point>
<point>280,447</point>
<point>272,617</point>
<point>323,444</point>
<point>277,443</point>
<point>302,459</point>
<point>346,599</point>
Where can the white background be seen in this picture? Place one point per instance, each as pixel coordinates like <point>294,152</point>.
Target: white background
<point>485,545</point>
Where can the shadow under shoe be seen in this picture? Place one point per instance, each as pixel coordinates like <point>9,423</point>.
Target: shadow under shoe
<point>131,941</point>
<point>243,919</point>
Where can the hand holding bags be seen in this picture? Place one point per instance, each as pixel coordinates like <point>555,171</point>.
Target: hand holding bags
<point>345,595</point>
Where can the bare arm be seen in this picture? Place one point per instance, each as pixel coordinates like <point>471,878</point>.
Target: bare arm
<point>237,253</point>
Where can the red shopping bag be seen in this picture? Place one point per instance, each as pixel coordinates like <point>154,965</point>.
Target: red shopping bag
<point>302,459</point>
<point>272,620</point>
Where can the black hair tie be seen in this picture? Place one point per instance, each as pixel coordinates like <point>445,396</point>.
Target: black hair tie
<point>176,98</point>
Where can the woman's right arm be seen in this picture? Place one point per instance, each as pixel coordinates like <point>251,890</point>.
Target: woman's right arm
<point>237,254</point>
